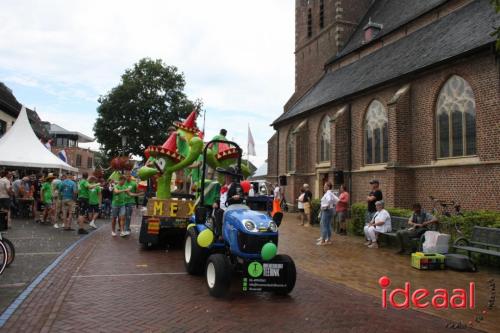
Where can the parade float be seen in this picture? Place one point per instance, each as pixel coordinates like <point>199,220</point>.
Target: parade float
<point>167,213</point>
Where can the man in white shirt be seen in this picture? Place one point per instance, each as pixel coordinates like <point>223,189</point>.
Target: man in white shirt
<point>5,193</point>
<point>277,192</point>
<point>381,222</point>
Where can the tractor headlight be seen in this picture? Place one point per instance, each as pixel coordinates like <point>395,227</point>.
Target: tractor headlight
<point>249,225</point>
<point>273,226</point>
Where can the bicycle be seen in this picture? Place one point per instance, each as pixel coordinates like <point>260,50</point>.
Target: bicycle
<point>9,247</point>
<point>445,210</point>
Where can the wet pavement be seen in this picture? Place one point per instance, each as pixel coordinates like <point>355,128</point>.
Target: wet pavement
<point>109,284</point>
<point>36,247</point>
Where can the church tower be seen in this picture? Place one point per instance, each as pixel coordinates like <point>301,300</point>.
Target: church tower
<point>322,27</point>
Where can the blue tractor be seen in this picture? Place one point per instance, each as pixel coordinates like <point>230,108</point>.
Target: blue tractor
<point>238,240</point>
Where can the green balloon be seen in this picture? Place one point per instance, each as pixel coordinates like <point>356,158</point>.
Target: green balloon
<point>268,251</point>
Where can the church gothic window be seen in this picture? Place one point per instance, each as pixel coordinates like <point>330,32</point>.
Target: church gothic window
<point>376,134</point>
<point>324,140</point>
<point>309,23</point>
<point>456,119</point>
<point>290,150</point>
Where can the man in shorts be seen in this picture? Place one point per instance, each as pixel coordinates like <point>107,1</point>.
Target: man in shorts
<point>56,200</point>
<point>118,207</point>
<point>47,199</point>
<point>130,200</point>
<point>67,192</point>
<point>95,200</point>
<point>83,201</point>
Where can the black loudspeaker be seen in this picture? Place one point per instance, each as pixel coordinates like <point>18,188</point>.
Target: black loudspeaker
<point>282,180</point>
<point>338,177</point>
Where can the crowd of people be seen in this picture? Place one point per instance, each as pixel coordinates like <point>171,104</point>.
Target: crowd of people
<point>56,200</point>
<point>334,207</point>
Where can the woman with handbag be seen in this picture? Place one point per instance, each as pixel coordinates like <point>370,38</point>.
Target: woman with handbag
<point>328,202</point>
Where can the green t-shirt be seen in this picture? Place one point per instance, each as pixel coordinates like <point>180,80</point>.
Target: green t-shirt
<point>94,195</point>
<point>47,193</point>
<point>83,189</point>
<point>119,199</point>
<point>133,188</point>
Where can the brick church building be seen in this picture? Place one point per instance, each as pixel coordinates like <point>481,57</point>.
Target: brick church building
<point>403,91</point>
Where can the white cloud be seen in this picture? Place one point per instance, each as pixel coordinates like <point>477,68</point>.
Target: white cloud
<point>237,55</point>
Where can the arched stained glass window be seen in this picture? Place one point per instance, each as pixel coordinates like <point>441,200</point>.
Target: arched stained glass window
<point>376,135</point>
<point>324,140</point>
<point>456,119</point>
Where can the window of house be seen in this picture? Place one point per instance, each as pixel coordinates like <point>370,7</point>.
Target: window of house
<point>324,140</point>
<point>376,134</point>
<point>290,151</point>
<point>78,160</point>
<point>3,127</point>
<point>321,14</point>
<point>89,163</point>
<point>456,119</point>
<point>309,23</point>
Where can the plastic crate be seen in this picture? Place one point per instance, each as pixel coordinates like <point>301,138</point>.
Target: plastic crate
<point>427,261</point>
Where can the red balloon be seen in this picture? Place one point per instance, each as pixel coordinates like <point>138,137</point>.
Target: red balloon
<point>246,186</point>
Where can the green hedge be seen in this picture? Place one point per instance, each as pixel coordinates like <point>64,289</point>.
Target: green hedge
<point>447,225</point>
<point>315,208</point>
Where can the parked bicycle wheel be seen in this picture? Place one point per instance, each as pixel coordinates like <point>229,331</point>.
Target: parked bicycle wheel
<point>11,251</point>
<point>3,257</point>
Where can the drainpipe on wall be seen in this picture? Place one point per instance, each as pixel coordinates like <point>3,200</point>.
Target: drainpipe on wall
<point>349,155</point>
<point>277,156</point>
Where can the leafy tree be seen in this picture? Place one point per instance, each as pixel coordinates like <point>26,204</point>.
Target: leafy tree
<point>149,98</point>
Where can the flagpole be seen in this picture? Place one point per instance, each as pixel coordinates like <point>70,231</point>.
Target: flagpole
<point>248,146</point>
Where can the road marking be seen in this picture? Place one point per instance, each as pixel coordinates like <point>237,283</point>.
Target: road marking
<point>37,253</point>
<point>130,274</point>
<point>13,285</point>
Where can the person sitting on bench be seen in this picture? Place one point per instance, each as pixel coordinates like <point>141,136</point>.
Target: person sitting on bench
<point>381,222</point>
<point>419,222</point>
<point>230,193</point>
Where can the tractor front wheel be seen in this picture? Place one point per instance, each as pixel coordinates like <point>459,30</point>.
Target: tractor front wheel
<point>218,275</point>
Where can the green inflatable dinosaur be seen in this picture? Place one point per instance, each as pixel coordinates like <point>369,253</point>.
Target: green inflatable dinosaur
<point>181,149</point>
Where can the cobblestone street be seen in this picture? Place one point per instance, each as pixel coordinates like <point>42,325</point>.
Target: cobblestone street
<point>110,284</point>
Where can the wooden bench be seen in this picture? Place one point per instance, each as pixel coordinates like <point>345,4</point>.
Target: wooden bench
<point>397,224</point>
<point>401,223</point>
<point>484,240</point>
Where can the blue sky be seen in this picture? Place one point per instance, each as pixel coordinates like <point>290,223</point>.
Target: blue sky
<point>59,56</point>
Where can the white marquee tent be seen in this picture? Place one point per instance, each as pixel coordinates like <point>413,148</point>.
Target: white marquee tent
<point>20,147</point>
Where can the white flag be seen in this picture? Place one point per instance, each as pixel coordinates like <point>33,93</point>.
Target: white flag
<point>251,144</point>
